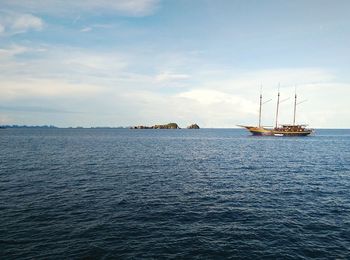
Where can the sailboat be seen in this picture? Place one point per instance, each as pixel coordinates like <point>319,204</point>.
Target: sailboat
<point>279,130</point>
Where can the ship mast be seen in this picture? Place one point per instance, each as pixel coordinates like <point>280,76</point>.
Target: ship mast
<point>278,103</point>
<point>260,109</point>
<point>295,107</point>
<point>260,105</point>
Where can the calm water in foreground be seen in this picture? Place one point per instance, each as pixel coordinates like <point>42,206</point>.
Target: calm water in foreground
<point>126,194</point>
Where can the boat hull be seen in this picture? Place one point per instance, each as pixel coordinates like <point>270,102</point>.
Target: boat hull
<point>275,132</point>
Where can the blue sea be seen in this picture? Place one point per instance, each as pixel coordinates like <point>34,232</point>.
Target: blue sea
<point>173,194</point>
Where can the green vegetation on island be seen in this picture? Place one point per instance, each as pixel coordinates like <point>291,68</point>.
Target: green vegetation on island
<point>166,126</point>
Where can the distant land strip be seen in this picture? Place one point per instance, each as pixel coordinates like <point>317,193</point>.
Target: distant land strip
<point>166,126</point>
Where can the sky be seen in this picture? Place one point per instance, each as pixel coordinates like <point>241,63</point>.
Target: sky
<point>145,62</point>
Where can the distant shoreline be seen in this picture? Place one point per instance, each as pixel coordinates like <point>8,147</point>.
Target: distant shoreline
<point>164,126</point>
<point>123,127</point>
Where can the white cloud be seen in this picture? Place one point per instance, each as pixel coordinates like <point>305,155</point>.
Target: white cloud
<point>25,22</point>
<point>232,97</point>
<point>12,51</point>
<point>188,107</point>
<point>86,29</point>
<point>13,23</point>
<point>93,61</point>
<point>71,64</point>
<point>2,29</point>
<point>135,7</point>
<point>45,88</point>
<point>170,77</point>
<point>269,79</point>
<point>110,83</point>
<point>210,97</point>
<point>122,7</point>
<point>217,108</point>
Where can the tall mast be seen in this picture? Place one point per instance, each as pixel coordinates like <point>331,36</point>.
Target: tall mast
<point>260,108</point>
<point>295,106</point>
<point>278,103</point>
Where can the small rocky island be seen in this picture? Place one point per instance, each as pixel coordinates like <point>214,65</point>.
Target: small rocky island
<point>193,126</point>
<point>166,126</point>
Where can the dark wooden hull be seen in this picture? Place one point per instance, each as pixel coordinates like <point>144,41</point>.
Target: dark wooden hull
<point>261,131</point>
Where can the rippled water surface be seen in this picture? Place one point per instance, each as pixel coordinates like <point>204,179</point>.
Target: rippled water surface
<point>126,194</point>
